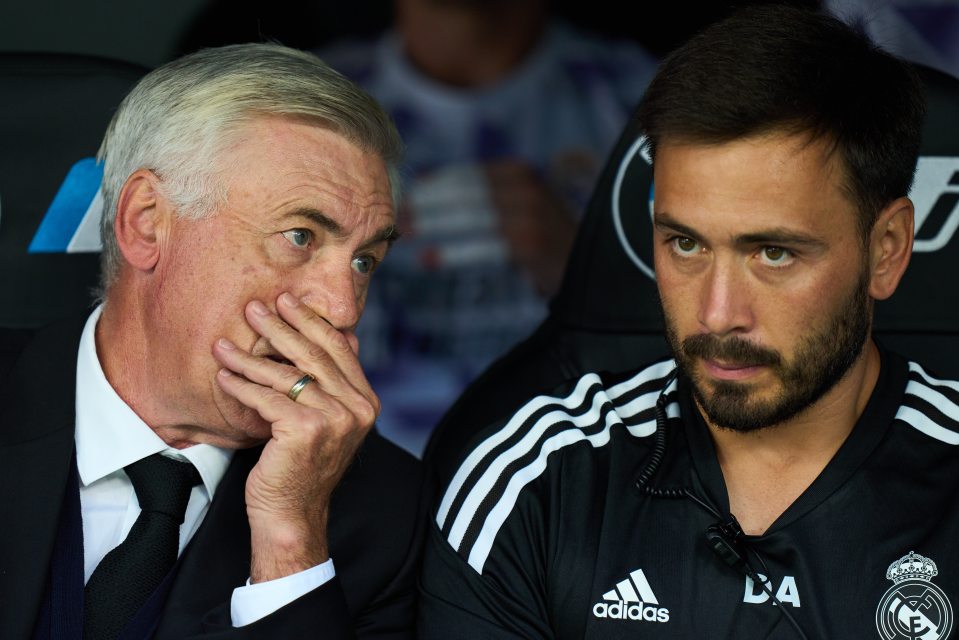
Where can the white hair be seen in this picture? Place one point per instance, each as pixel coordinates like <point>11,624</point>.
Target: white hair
<point>180,118</point>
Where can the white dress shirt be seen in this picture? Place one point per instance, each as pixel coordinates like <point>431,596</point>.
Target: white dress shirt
<point>110,436</point>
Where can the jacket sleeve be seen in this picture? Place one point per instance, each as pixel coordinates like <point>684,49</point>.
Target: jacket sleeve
<point>324,613</point>
<point>377,525</point>
<point>321,613</point>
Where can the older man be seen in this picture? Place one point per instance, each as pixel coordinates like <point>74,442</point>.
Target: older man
<point>249,196</point>
<point>784,476</point>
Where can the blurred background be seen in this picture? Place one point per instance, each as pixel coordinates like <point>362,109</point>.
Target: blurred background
<point>146,33</point>
<point>509,109</point>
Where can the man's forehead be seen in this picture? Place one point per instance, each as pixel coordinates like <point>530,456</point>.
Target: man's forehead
<point>290,152</point>
<point>764,159</point>
<point>771,181</point>
<point>268,132</point>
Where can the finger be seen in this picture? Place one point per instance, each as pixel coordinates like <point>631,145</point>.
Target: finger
<point>337,344</point>
<point>309,353</point>
<point>287,416</point>
<point>319,349</point>
<point>272,405</point>
<point>263,371</point>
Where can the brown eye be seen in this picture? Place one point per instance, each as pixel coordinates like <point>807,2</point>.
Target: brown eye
<point>686,245</point>
<point>776,256</point>
<point>774,253</point>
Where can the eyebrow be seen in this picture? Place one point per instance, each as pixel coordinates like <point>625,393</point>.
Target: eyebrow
<point>775,236</point>
<point>387,234</point>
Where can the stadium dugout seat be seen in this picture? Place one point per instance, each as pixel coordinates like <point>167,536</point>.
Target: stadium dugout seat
<point>54,111</point>
<point>606,315</point>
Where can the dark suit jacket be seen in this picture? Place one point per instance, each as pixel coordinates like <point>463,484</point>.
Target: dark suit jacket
<point>375,520</point>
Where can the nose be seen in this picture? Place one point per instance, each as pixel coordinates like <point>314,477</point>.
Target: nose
<point>332,294</point>
<point>725,304</point>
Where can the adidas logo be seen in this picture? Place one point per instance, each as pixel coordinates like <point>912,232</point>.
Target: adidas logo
<point>631,600</point>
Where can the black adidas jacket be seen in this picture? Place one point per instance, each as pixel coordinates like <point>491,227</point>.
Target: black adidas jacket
<point>543,533</point>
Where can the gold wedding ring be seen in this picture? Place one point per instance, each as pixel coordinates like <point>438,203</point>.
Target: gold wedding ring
<point>298,386</point>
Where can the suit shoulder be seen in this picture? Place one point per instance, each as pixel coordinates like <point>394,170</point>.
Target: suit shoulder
<point>12,344</point>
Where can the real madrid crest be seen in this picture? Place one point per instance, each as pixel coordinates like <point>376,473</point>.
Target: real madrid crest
<point>914,608</point>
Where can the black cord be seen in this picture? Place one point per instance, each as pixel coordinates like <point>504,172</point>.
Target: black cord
<point>726,537</point>
<point>776,602</point>
<point>659,443</point>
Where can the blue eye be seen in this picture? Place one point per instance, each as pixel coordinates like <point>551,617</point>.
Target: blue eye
<point>364,264</point>
<point>299,237</point>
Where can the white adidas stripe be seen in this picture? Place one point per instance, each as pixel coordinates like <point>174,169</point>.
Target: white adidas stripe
<point>952,384</point>
<point>645,592</point>
<point>922,422</point>
<point>648,428</point>
<point>529,440</point>
<point>497,516</point>
<point>655,371</point>
<point>487,446</point>
<point>933,397</point>
<point>639,404</point>
<point>625,591</point>
<point>504,506</point>
<point>919,420</point>
<point>572,401</point>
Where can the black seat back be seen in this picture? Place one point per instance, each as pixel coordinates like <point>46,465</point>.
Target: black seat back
<point>54,111</point>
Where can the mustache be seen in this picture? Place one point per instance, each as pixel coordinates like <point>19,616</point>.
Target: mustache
<point>731,350</point>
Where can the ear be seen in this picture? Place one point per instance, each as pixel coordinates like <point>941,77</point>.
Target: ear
<point>140,220</point>
<point>890,247</point>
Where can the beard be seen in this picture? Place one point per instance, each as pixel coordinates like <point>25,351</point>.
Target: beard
<point>823,356</point>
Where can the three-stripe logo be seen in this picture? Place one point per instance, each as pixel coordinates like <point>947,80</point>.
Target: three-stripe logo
<point>631,599</point>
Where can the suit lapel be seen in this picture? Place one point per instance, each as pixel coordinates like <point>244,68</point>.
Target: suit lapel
<point>37,419</point>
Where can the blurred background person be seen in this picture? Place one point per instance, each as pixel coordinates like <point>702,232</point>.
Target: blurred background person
<point>924,31</point>
<point>507,113</point>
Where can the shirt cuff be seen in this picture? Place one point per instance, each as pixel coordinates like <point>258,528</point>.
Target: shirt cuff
<point>255,601</point>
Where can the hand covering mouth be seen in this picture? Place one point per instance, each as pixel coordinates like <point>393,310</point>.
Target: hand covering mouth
<point>264,349</point>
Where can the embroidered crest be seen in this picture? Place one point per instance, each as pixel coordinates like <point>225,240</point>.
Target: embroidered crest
<point>914,608</point>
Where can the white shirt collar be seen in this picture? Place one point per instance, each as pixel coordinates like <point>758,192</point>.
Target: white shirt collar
<point>110,435</point>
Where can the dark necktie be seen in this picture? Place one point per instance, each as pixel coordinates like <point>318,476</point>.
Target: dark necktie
<point>132,571</point>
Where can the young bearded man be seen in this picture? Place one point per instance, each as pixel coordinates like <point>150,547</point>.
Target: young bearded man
<point>783,476</point>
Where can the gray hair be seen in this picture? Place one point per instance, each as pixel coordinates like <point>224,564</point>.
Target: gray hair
<point>178,120</point>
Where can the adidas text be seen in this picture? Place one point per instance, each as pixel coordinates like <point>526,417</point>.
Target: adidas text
<point>625,611</point>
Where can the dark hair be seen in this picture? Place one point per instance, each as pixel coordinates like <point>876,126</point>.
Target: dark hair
<point>771,68</point>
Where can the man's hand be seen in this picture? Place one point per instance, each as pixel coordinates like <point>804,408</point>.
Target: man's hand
<point>314,438</point>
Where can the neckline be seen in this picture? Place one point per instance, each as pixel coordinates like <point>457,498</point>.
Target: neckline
<point>872,425</point>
